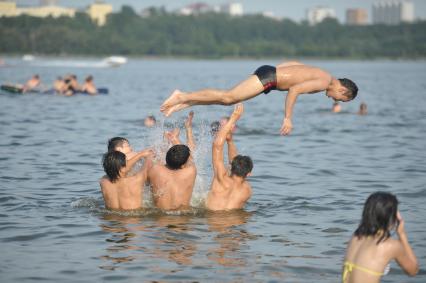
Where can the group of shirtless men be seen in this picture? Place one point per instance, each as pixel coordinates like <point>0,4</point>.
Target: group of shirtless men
<point>67,85</point>
<point>172,182</point>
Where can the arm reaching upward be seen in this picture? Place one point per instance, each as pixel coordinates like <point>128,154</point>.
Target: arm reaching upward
<point>173,136</point>
<point>132,161</point>
<point>405,255</point>
<point>189,136</point>
<point>217,150</point>
<point>232,148</point>
<point>296,90</point>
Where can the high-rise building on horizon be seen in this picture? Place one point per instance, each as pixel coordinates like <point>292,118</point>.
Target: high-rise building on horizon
<point>356,16</point>
<point>318,14</point>
<point>98,12</point>
<point>393,12</point>
<point>233,9</point>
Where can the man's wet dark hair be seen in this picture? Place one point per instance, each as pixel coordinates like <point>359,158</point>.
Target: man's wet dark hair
<point>379,214</point>
<point>114,142</point>
<point>89,78</point>
<point>177,156</point>
<point>350,86</point>
<point>112,162</point>
<point>241,165</point>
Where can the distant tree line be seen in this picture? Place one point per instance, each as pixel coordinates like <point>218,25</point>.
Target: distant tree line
<point>207,35</point>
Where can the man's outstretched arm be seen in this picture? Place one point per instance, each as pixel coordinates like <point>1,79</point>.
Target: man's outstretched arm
<point>173,136</point>
<point>132,161</point>
<point>296,90</point>
<point>189,135</point>
<point>217,150</point>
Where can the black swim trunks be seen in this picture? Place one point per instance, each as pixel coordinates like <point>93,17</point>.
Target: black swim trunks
<point>268,77</point>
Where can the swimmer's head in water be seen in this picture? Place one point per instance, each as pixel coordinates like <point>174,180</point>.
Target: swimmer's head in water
<point>119,144</point>
<point>345,90</point>
<point>112,162</point>
<point>362,109</point>
<point>241,166</point>
<point>149,121</point>
<point>379,214</point>
<point>177,156</point>
<point>214,127</point>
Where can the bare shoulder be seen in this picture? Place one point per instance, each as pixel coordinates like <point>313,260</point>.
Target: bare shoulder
<point>191,168</point>
<point>222,182</point>
<point>248,187</point>
<point>393,245</point>
<point>154,168</point>
<point>103,180</point>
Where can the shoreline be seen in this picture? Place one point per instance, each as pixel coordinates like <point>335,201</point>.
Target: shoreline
<point>212,58</point>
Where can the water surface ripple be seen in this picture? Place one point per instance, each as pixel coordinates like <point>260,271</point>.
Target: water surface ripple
<point>309,188</point>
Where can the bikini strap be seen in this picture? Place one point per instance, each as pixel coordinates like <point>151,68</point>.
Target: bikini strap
<point>349,266</point>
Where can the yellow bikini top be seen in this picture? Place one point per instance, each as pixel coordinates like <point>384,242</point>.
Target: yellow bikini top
<point>349,266</point>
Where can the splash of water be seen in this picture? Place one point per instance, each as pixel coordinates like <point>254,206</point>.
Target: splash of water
<point>154,139</point>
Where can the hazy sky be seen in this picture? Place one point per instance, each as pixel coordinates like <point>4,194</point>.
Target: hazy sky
<point>293,9</point>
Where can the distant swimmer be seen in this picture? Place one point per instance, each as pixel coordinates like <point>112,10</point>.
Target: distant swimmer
<point>119,190</point>
<point>336,108</point>
<point>372,247</point>
<point>173,183</point>
<point>59,85</point>
<point>294,77</point>
<point>215,125</point>
<point>149,121</point>
<point>229,190</point>
<point>362,109</point>
<point>32,83</point>
<point>72,85</point>
<point>88,86</point>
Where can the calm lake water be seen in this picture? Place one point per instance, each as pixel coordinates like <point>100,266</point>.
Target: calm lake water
<point>308,188</point>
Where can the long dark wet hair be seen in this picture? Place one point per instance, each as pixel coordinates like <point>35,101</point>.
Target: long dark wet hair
<point>379,213</point>
<point>112,162</point>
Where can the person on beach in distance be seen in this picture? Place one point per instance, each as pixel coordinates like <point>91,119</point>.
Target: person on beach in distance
<point>372,248</point>
<point>32,83</point>
<point>89,86</point>
<point>294,77</point>
<point>229,191</point>
<point>119,190</point>
<point>173,183</point>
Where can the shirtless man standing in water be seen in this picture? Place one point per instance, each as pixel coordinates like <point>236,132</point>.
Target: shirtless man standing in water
<point>294,77</point>
<point>119,190</point>
<point>172,183</point>
<point>229,191</point>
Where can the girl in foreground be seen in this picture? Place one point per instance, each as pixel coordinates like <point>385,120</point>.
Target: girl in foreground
<point>371,248</point>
